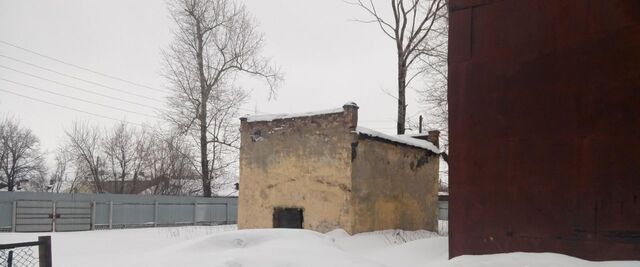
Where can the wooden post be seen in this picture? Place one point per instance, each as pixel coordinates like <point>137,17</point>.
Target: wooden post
<point>44,251</point>
<point>111,214</point>
<point>155,214</point>
<point>93,215</point>
<point>14,214</point>
<point>420,125</point>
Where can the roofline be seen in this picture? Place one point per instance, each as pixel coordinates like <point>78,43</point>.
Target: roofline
<point>376,135</point>
<point>384,140</point>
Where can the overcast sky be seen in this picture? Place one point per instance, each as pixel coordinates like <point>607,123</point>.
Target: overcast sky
<point>327,60</point>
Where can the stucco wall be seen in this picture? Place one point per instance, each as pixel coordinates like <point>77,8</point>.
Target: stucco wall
<point>301,162</point>
<point>394,187</point>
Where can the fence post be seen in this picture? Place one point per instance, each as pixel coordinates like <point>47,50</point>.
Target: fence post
<point>93,215</point>
<point>155,214</point>
<point>195,212</point>
<point>110,214</point>
<point>14,213</point>
<point>10,259</point>
<point>53,213</point>
<point>44,251</point>
<point>226,211</point>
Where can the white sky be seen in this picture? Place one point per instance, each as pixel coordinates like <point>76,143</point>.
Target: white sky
<point>327,60</point>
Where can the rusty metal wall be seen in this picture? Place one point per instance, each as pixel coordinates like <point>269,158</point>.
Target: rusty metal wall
<point>545,127</point>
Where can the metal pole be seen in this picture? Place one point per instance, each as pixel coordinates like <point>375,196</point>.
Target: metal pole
<point>420,125</point>
<point>53,217</point>
<point>44,251</point>
<point>111,214</point>
<point>195,212</point>
<point>93,215</point>
<point>155,214</point>
<point>10,259</point>
<point>14,214</point>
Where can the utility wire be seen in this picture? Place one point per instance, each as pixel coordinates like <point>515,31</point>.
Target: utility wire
<point>80,79</point>
<point>77,98</point>
<point>74,109</point>
<point>82,68</point>
<point>95,93</point>
<point>77,88</point>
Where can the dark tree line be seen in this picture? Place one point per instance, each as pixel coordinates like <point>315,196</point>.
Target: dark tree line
<point>21,160</point>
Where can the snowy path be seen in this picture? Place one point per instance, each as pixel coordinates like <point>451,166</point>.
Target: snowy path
<point>224,246</point>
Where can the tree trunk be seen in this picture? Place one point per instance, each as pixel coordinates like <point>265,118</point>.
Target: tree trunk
<point>204,161</point>
<point>123,175</point>
<point>135,182</point>
<point>204,97</point>
<point>96,176</point>
<point>10,183</point>
<point>402,106</point>
<point>122,183</point>
<point>11,179</point>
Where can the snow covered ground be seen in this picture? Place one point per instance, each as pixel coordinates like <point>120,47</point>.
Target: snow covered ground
<point>225,246</point>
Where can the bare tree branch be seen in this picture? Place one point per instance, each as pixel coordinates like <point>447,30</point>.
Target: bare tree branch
<point>412,30</point>
<point>216,42</point>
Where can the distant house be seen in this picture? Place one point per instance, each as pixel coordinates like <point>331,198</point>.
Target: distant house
<point>128,186</point>
<point>320,171</point>
<point>159,185</point>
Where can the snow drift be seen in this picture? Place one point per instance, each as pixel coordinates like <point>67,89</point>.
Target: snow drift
<point>225,246</point>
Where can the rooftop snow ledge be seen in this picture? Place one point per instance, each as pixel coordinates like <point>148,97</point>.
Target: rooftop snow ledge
<point>272,117</point>
<point>407,140</point>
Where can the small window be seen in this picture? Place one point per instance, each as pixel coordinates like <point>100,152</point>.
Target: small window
<point>287,218</point>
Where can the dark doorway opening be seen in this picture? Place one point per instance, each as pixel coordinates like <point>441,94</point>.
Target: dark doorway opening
<point>287,218</point>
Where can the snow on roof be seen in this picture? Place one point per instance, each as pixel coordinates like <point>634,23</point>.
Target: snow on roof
<point>418,134</point>
<point>351,103</point>
<point>272,117</point>
<point>402,139</point>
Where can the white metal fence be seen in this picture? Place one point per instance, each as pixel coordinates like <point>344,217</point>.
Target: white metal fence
<point>42,212</point>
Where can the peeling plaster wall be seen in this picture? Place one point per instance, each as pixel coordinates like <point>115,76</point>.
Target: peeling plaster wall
<point>394,187</point>
<point>301,162</point>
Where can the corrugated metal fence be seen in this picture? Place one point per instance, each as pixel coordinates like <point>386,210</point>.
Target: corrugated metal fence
<point>43,212</point>
<point>443,206</point>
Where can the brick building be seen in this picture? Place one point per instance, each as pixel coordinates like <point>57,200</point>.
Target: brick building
<point>320,171</point>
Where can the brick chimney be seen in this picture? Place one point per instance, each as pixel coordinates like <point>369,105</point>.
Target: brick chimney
<point>434,137</point>
<point>351,115</point>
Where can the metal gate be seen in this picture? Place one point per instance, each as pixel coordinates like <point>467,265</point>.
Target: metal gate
<point>72,216</point>
<point>34,216</point>
<point>46,216</point>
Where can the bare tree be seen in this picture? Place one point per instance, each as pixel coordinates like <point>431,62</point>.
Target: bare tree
<point>126,150</point>
<point>143,144</point>
<point>215,41</point>
<point>433,94</point>
<point>410,26</point>
<point>118,149</point>
<point>84,146</point>
<point>171,164</point>
<point>20,158</point>
<point>59,176</point>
